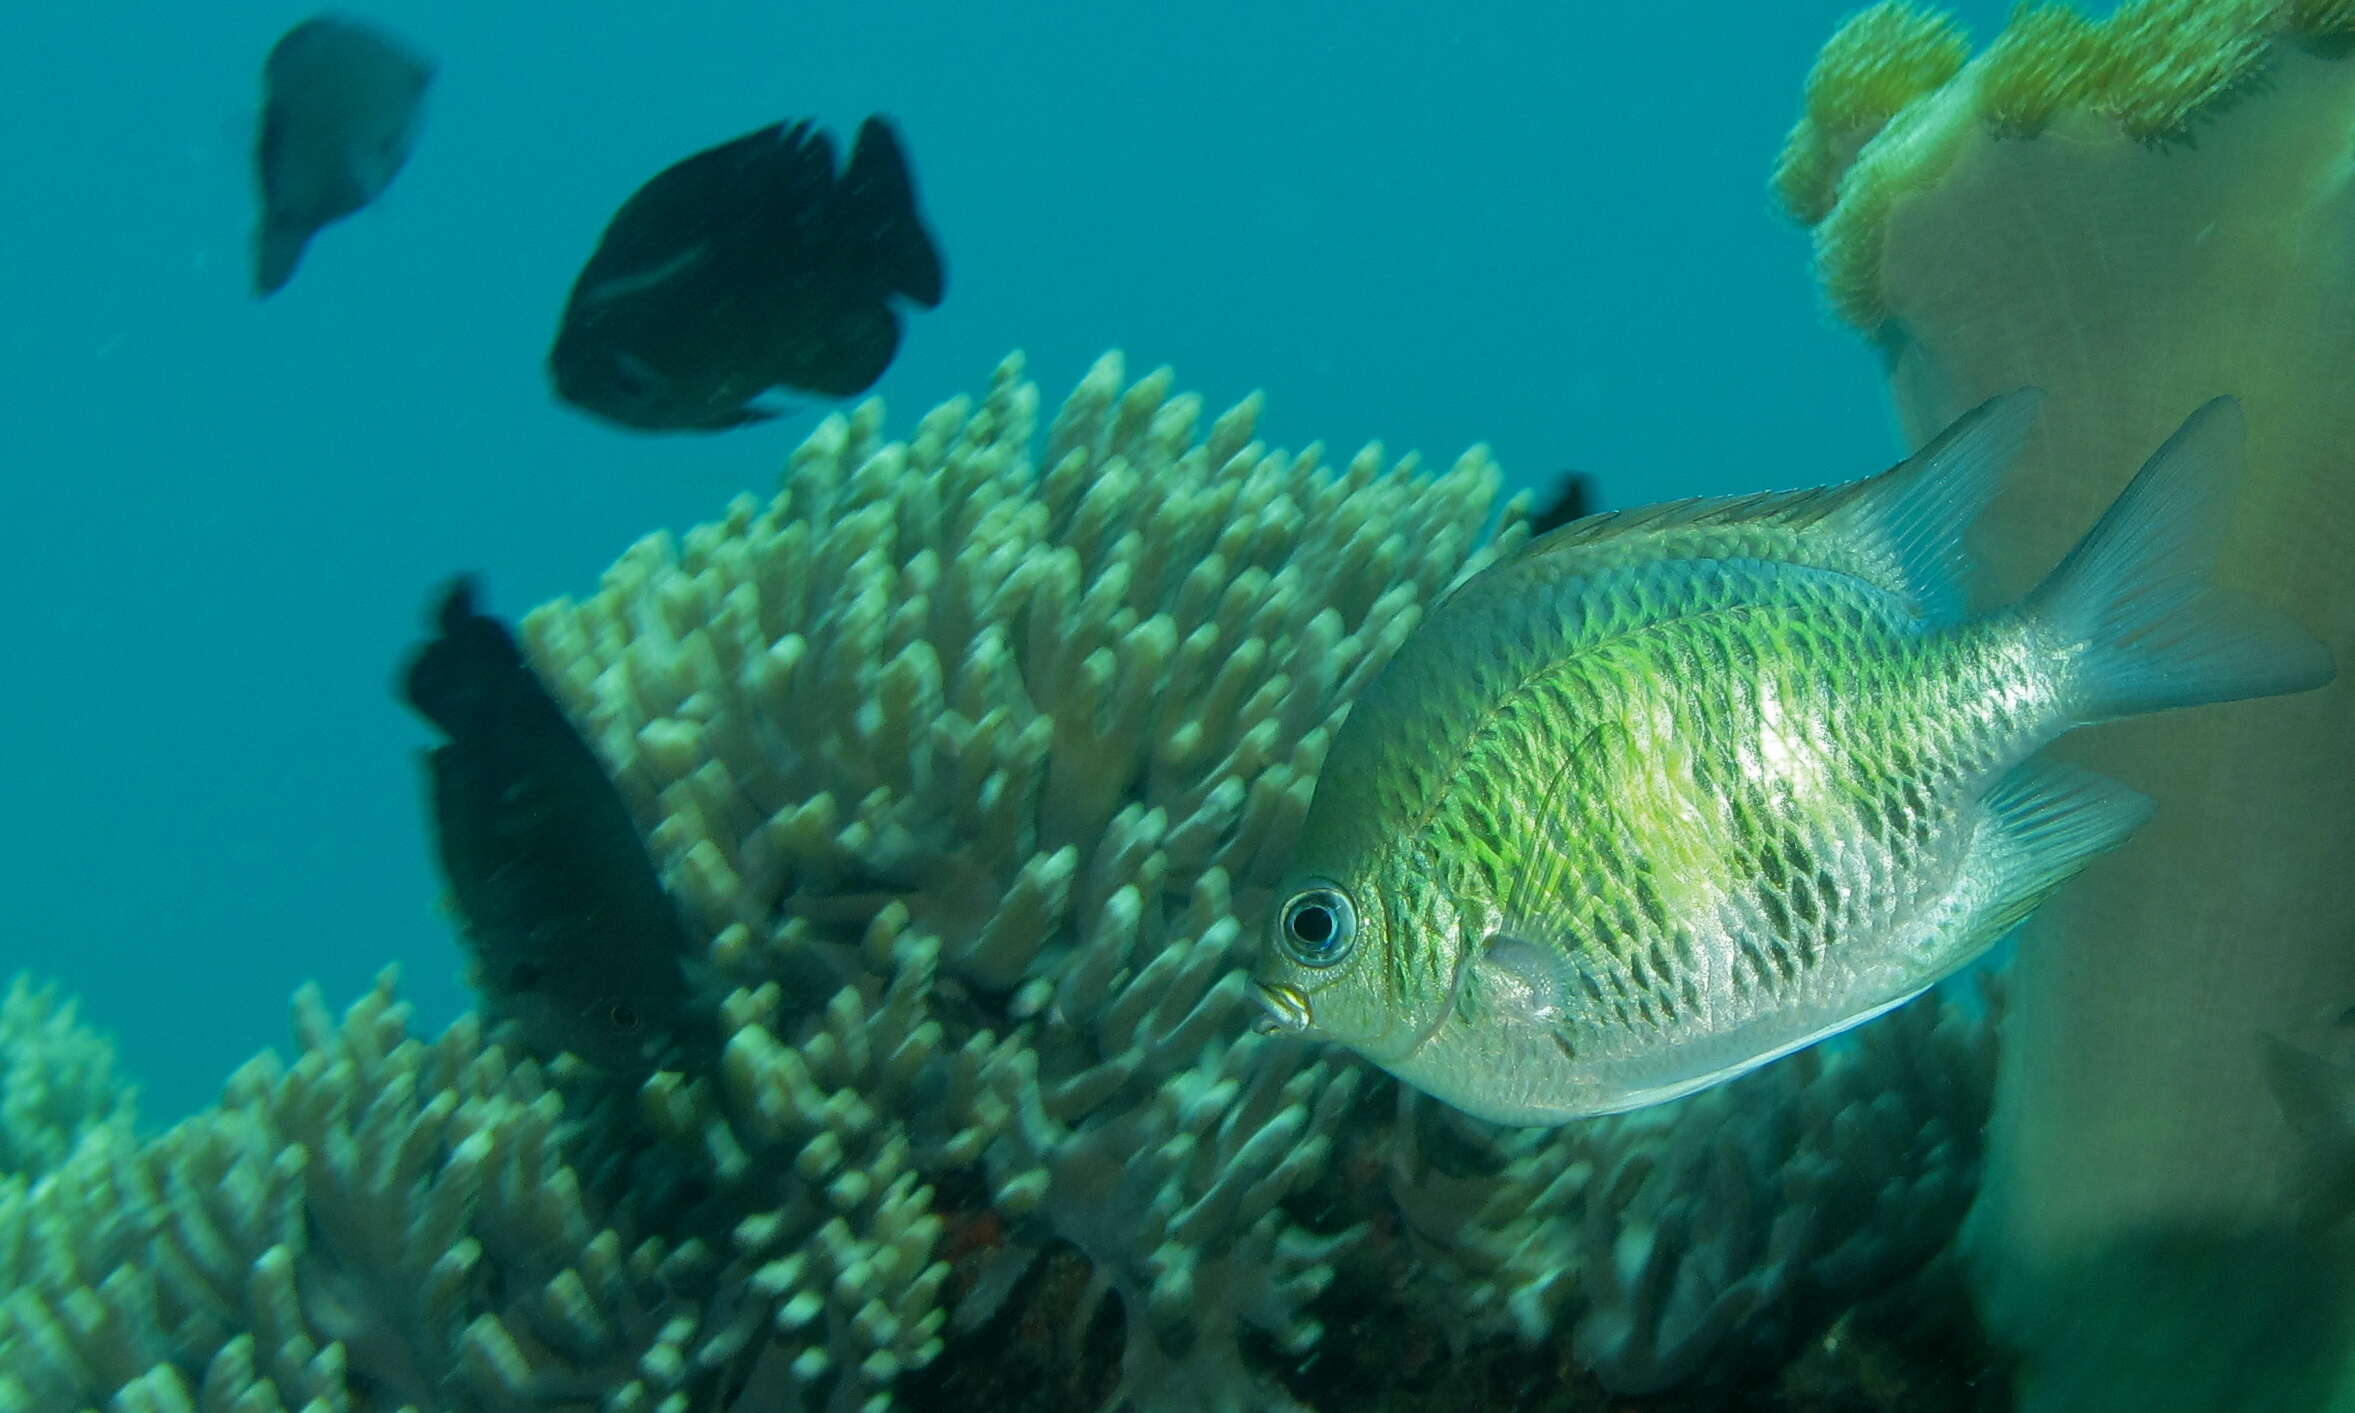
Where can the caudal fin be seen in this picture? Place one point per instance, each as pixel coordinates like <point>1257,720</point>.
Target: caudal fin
<point>876,207</point>
<point>2134,591</point>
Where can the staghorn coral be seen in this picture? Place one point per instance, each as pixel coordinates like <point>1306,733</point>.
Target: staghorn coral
<point>1047,721</point>
<point>1720,1236</point>
<point>2136,213</point>
<point>58,1086</point>
<point>388,1223</point>
<point>315,1233</point>
<point>968,773</point>
<point>951,931</point>
<point>1704,1241</point>
<point>934,666</point>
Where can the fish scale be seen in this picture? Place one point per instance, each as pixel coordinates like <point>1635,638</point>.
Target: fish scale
<point>1781,843</point>
<point>1672,792</point>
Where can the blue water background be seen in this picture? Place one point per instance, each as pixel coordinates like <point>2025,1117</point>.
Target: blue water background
<point>1544,226</point>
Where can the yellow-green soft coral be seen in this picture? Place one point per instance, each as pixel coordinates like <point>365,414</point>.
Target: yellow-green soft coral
<point>2137,214</point>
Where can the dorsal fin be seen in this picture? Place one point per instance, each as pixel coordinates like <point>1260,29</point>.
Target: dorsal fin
<point>1915,513</point>
<point>1900,531</point>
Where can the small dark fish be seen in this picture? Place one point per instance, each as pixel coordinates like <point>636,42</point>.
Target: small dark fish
<point>339,114</point>
<point>573,936</point>
<point>1574,499</point>
<point>747,267</point>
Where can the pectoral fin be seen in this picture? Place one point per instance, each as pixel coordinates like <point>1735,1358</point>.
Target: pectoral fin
<point>1515,981</point>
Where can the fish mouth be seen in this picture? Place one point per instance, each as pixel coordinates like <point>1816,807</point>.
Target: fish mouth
<point>1287,1009</point>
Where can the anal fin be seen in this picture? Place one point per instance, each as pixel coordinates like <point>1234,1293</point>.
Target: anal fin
<point>2049,820</point>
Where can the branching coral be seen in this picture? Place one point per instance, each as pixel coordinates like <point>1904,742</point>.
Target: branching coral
<point>1046,722</point>
<point>331,1233</point>
<point>57,1081</point>
<point>933,667</point>
<point>386,1223</point>
<point>972,916</point>
<point>1704,1241</point>
<point>969,774</point>
<point>2137,214</point>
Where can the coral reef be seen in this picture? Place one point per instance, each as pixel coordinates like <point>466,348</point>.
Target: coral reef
<point>1708,1239</point>
<point>1039,725</point>
<point>387,1223</point>
<point>2136,213</point>
<point>58,1085</point>
<point>969,772</point>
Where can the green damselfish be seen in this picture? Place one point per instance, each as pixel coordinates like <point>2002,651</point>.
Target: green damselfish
<point>1674,791</point>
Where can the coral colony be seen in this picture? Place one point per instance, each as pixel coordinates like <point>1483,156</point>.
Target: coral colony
<point>970,759</point>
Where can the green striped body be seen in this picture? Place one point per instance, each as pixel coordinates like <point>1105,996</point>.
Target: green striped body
<point>1736,821</point>
<point>1672,793</point>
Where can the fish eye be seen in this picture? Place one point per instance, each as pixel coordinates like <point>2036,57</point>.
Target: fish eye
<point>1318,926</point>
<point>623,1017</point>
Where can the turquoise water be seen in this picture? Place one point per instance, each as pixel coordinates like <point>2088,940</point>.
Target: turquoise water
<point>1544,227</point>
<point>1541,226</point>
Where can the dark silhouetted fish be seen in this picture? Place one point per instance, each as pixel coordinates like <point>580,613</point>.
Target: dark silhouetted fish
<point>573,937</point>
<point>744,268</point>
<point>339,114</point>
<point>1574,500</point>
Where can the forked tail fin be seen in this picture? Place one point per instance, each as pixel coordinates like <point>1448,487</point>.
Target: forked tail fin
<point>877,210</point>
<point>2154,634</point>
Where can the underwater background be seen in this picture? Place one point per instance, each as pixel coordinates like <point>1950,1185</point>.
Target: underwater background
<point>1543,226</point>
<point>944,1090</point>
